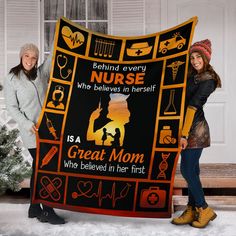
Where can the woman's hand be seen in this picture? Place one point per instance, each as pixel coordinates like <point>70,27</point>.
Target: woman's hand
<point>34,129</point>
<point>183,143</point>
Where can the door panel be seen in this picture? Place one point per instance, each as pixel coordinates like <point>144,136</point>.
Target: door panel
<point>216,21</point>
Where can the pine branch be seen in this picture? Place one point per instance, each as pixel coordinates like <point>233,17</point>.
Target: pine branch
<point>13,167</point>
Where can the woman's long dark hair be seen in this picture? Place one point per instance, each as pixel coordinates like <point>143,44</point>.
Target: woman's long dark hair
<point>206,68</point>
<point>31,75</point>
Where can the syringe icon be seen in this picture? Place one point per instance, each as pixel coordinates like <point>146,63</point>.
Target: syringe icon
<point>50,127</point>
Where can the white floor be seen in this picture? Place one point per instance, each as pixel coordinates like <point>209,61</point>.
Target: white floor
<point>14,222</point>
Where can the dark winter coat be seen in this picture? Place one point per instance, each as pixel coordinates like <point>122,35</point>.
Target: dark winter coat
<point>199,88</point>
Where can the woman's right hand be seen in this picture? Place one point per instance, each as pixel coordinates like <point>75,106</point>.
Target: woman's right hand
<point>183,143</point>
<point>95,114</point>
<point>34,129</point>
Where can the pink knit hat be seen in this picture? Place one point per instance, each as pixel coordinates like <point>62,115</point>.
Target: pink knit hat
<point>203,47</point>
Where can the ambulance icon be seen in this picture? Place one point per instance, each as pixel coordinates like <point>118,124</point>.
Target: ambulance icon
<point>177,41</point>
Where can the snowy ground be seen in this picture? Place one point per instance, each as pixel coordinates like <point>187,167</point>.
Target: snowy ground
<point>14,222</point>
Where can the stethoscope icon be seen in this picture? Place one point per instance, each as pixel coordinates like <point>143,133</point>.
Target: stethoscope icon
<point>62,65</point>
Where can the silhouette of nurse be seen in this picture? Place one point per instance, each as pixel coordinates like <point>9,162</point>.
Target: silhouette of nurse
<point>113,132</point>
<point>57,97</point>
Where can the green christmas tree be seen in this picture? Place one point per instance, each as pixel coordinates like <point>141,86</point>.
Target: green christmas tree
<point>13,167</point>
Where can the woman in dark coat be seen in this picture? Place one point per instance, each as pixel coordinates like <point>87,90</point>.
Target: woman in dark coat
<point>202,82</point>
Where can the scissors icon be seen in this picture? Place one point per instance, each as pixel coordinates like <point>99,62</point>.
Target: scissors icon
<point>62,62</point>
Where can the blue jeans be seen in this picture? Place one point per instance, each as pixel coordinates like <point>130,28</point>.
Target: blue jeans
<point>190,170</point>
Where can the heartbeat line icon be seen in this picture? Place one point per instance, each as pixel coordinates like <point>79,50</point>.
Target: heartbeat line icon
<point>85,190</point>
<point>75,39</point>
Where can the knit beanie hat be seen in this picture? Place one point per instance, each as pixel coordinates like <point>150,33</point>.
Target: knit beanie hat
<point>31,47</point>
<point>203,47</point>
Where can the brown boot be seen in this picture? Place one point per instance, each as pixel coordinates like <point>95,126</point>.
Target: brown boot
<point>187,217</point>
<point>204,217</point>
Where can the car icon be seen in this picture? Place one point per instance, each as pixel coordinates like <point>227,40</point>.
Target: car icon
<point>177,41</point>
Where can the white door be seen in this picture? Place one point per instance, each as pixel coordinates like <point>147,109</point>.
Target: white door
<point>216,21</point>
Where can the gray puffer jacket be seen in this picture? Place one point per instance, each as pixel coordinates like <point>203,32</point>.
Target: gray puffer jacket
<point>24,99</point>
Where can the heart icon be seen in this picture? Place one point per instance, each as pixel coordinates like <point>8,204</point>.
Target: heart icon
<point>73,40</point>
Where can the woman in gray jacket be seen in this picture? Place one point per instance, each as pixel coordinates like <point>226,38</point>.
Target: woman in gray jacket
<point>24,89</point>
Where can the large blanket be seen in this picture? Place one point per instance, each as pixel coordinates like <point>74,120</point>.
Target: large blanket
<point>108,139</point>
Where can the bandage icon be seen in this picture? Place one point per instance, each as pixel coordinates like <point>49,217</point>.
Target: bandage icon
<point>50,188</point>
